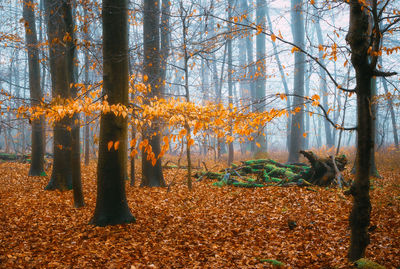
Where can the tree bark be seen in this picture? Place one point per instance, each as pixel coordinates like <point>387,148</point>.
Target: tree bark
<point>296,129</point>
<point>61,177</point>
<point>230,71</point>
<point>75,125</point>
<point>152,176</point>
<point>36,95</point>
<point>111,204</point>
<point>358,38</point>
<point>261,67</point>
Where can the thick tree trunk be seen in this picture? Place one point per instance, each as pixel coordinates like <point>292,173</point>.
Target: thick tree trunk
<point>296,129</point>
<point>152,176</point>
<point>61,177</point>
<point>37,137</point>
<point>111,204</point>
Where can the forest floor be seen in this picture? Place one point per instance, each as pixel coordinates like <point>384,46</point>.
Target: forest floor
<point>209,227</point>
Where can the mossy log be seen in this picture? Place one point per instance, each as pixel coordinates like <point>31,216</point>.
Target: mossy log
<point>15,157</point>
<point>267,172</point>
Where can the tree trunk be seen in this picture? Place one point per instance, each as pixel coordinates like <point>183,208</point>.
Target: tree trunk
<point>37,136</point>
<point>75,125</point>
<point>61,177</point>
<point>111,204</point>
<point>283,77</point>
<point>358,38</point>
<point>152,176</point>
<point>323,83</point>
<point>230,71</point>
<point>87,119</point>
<point>296,129</point>
<point>261,69</point>
<point>392,115</point>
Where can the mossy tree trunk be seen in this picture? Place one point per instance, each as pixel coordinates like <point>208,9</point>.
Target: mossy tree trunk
<point>111,203</point>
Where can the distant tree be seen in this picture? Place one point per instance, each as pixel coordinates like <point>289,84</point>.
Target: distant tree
<point>111,203</point>
<point>323,81</point>
<point>297,122</point>
<point>260,82</point>
<point>36,94</point>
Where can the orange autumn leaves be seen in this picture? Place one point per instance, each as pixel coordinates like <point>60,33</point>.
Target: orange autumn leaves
<point>183,121</point>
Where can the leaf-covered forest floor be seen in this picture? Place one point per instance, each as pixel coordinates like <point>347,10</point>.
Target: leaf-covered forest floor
<point>209,227</point>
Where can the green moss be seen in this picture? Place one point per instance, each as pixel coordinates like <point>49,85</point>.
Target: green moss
<point>43,174</point>
<point>274,179</point>
<point>367,264</point>
<point>269,167</point>
<point>290,175</point>
<point>273,262</point>
<point>246,185</point>
<point>277,172</point>
<point>219,184</point>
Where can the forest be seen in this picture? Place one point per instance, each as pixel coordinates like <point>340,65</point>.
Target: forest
<point>199,134</point>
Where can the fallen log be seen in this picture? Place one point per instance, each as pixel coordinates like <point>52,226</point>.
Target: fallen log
<point>267,172</point>
<point>15,157</point>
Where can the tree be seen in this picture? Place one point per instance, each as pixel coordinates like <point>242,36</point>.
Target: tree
<point>230,71</point>
<point>111,204</point>
<point>260,83</point>
<point>364,37</point>
<point>56,11</point>
<point>37,154</point>
<point>152,175</point>
<point>323,81</point>
<point>75,126</point>
<point>297,122</point>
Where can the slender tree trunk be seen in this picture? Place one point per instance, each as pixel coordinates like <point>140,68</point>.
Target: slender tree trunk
<point>374,110</point>
<point>261,70</point>
<point>297,128</point>
<point>230,71</point>
<point>111,204</point>
<point>75,125</point>
<point>283,78</point>
<point>87,118</point>
<point>392,115</point>
<point>323,83</point>
<point>36,95</point>
<point>152,176</point>
<point>361,211</point>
